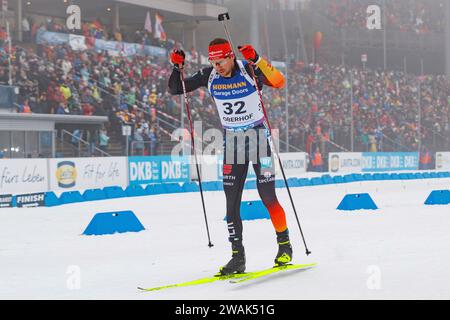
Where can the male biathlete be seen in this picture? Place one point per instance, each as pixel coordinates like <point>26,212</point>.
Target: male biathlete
<point>231,84</point>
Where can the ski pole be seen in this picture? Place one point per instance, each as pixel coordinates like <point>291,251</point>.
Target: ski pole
<point>186,103</point>
<point>223,17</point>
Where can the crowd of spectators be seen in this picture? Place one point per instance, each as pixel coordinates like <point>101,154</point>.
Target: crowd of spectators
<point>95,29</point>
<point>385,107</point>
<point>419,16</point>
<point>58,80</point>
<point>133,91</point>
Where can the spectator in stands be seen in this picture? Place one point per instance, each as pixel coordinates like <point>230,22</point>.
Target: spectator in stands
<point>372,143</point>
<point>61,108</point>
<point>65,91</point>
<point>44,104</point>
<point>138,142</point>
<point>3,36</point>
<point>425,159</point>
<point>25,107</point>
<point>129,89</point>
<point>103,140</point>
<point>153,140</point>
<point>317,161</point>
<point>35,107</point>
<point>118,35</point>
<point>26,29</point>
<point>76,137</point>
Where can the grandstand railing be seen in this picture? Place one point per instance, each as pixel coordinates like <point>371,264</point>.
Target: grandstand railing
<point>395,146</point>
<point>83,147</point>
<point>439,142</point>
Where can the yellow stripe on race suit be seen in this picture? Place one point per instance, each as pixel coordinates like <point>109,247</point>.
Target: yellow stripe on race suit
<point>273,76</point>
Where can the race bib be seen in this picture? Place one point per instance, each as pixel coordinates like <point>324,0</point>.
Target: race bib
<point>237,100</point>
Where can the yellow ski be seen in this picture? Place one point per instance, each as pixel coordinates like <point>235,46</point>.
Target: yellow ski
<point>259,274</point>
<point>234,278</point>
<point>197,282</point>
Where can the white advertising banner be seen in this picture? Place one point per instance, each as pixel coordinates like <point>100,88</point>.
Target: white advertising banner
<point>294,164</point>
<point>87,173</point>
<point>442,160</point>
<point>23,175</point>
<point>208,168</point>
<point>77,42</point>
<point>345,162</point>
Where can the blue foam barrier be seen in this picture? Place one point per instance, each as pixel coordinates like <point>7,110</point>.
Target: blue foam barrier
<point>113,222</point>
<point>293,182</point>
<point>280,184</point>
<point>253,210</point>
<point>94,195</point>
<point>394,176</point>
<point>316,181</point>
<point>349,178</point>
<point>173,187</point>
<point>386,176</point>
<point>190,187</point>
<point>367,176</point>
<point>251,184</point>
<point>417,175</point>
<point>135,191</point>
<point>14,201</point>
<point>327,179</point>
<point>219,185</point>
<point>438,197</point>
<point>434,175</point>
<point>359,201</point>
<point>114,192</point>
<point>153,189</point>
<point>404,176</point>
<point>377,176</point>
<point>357,177</point>
<point>70,197</point>
<point>426,175</point>
<point>210,186</point>
<point>303,182</point>
<point>338,179</point>
<point>51,199</point>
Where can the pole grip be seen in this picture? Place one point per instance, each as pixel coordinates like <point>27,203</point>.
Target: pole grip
<point>224,16</point>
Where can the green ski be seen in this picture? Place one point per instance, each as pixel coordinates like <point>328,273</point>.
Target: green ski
<point>259,274</point>
<point>234,278</point>
<point>197,282</point>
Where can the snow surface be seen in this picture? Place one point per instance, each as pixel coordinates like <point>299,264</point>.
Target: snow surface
<point>401,251</point>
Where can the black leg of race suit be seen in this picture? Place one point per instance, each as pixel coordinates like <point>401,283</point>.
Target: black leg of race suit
<point>234,176</point>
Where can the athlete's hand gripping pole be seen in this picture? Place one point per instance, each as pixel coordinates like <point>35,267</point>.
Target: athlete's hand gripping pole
<point>188,112</point>
<point>223,17</point>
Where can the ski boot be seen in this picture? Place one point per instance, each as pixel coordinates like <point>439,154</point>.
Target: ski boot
<point>237,262</point>
<point>284,255</point>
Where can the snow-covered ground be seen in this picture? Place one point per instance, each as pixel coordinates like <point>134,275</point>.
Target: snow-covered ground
<point>401,251</point>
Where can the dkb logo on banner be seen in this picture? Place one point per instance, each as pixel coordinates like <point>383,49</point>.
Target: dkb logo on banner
<point>157,169</point>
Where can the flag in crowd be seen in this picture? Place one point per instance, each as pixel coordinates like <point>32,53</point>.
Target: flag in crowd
<point>159,30</point>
